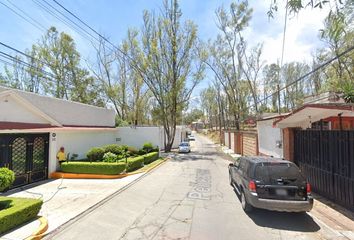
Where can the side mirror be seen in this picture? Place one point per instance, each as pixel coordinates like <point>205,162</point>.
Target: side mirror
<point>231,165</point>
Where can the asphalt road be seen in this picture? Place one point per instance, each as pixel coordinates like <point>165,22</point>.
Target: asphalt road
<point>188,197</point>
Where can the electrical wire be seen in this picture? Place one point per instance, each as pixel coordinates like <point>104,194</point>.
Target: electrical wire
<point>52,13</point>
<point>21,16</point>
<point>307,74</point>
<point>34,20</point>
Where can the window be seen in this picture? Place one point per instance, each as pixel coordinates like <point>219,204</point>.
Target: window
<point>270,171</point>
<point>317,125</point>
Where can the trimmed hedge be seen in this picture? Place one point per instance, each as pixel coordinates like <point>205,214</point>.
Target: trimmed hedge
<point>93,168</point>
<point>7,177</point>
<point>150,157</point>
<point>135,163</point>
<point>20,210</point>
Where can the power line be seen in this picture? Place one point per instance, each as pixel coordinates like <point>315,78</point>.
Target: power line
<point>307,74</point>
<point>34,20</point>
<point>21,16</point>
<point>92,29</point>
<point>52,13</point>
<point>76,26</point>
<point>26,55</point>
<point>25,64</point>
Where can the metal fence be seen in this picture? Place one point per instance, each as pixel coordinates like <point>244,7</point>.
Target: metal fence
<point>327,160</point>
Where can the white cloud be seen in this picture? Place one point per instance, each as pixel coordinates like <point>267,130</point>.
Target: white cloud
<point>301,38</point>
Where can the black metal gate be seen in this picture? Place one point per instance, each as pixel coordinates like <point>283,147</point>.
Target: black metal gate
<point>25,154</point>
<point>327,160</point>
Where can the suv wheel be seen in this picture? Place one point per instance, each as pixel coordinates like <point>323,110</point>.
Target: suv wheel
<point>245,205</point>
<point>230,179</point>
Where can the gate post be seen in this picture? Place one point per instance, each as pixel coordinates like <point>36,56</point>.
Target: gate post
<point>288,145</point>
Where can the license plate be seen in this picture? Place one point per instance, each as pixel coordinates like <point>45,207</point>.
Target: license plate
<point>281,192</point>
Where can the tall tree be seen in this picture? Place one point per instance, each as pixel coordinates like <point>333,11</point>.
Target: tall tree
<point>226,53</point>
<point>168,63</point>
<point>72,82</point>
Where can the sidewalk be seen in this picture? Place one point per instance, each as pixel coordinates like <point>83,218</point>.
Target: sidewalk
<point>64,199</point>
<point>336,222</point>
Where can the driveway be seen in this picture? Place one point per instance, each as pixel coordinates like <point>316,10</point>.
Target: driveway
<point>64,199</point>
<point>188,197</point>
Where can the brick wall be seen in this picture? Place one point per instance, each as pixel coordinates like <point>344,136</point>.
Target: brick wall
<point>250,144</point>
<point>288,144</point>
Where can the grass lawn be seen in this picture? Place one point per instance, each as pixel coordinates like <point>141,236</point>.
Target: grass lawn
<point>16,211</point>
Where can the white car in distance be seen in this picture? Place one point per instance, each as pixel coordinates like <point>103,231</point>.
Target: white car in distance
<point>184,147</point>
<point>191,138</point>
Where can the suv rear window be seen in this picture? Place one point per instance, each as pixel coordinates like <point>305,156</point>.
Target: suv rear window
<point>269,171</point>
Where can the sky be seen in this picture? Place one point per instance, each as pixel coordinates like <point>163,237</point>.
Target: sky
<point>112,18</point>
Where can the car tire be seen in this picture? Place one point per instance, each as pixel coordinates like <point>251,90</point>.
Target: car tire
<point>245,205</point>
<point>230,179</point>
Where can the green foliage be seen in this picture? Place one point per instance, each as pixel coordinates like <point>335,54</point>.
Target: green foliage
<point>135,163</point>
<point>348,92</point>
<point>95,154</point>
<point>194,115</point>
<point>148,147</point>
<point>132,151</point>
<point>119,122</point>
<point>150,157</point>
<point>110,157</point>
<point>7,177</point>
<point>93,168</point>
<point>113,148</point>
<point>19,211</point>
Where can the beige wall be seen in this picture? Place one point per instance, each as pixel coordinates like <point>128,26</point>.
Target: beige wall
<point>65,112</point>
<point>12,111</point>
<point>78,142</point>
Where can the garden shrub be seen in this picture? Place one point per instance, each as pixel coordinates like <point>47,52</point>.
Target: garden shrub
<point>19,211</point>
<point>113,148</point>
<point>95,154</point>
<point>135,163</point>
<point>150,157</point>
<point>93,167</point>
<point>141,152</point>
<point>110,157</point>
<point>7,177</point>
<point>147,147</point>
<point>133,151</point>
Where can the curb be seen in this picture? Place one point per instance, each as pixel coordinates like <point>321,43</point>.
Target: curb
<point>100,203</point>
<point>59,175</point>
<point>39,233</point>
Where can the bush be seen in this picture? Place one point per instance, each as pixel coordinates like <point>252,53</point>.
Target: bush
<point>133,151</point>
<point>135,163</point>
<point>141,152</point>
<point>7,177</point>
<point>112,148</point>
<point>150,157</point>
<point>19,211</point>
<point>147,147</point>
<point>95,154</point>
<point>93,168</point>
<point>110,157</point>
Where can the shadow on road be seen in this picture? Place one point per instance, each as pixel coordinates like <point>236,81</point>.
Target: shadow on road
<point>299,222</point>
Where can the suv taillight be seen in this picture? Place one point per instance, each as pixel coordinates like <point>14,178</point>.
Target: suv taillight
<point>308,188</point>
<point>252,186</point>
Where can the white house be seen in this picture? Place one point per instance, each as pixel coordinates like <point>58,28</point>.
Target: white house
<point>34,127</point>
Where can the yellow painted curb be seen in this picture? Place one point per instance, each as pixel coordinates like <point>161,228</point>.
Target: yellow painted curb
<point>58,175</point>
<point>38,234</point>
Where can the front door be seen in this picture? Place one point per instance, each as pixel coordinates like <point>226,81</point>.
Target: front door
<point>26,155</point>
